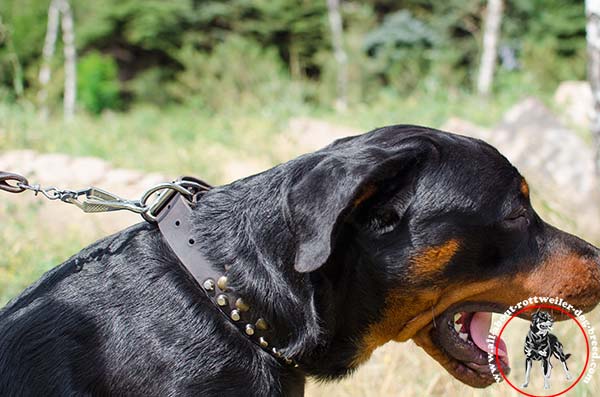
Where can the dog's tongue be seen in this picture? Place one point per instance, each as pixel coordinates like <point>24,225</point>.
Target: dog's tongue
<point>480,329</point>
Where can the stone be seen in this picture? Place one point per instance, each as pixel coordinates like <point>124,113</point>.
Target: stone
<point>305,135</point>
<point>53,169</point>
<point>19,161</point>
<point>575,101</point>
<point>556,161</point>
<point>242,167</point>
<point>88,170</point>
<point>467,128</point>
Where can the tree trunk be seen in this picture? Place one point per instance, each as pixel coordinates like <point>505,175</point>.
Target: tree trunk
<point>13,58</point>
<point>491,33</point>
<point>59,9</point>
<point>337,41</point>
<point>592,8</point>
<point>68,35</point>
<point>47,53</point>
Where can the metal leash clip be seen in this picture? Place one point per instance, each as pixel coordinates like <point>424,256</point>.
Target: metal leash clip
<point>94,200</point>
<point>98,200</point>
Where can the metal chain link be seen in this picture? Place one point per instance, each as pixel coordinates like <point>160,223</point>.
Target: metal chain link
<point>6,179</point>
<point>94,200</point>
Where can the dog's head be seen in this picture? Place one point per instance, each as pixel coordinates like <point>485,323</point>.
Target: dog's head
<point>412,233</point>
<point>541,322</point>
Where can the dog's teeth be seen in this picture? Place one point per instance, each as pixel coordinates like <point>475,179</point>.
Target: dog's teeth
<point>456,317</point>
<point>463,336</point>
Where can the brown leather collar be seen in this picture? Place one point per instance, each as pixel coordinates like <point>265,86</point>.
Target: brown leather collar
<point>174,220</point>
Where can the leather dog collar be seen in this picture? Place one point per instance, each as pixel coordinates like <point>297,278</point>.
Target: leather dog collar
<point>174,221</point>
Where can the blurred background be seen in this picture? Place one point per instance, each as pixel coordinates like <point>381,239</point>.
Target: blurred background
<point>123,94</point>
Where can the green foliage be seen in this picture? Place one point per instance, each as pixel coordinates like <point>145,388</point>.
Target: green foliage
<point>149,86</point>
<point>25,22</point>
<point>148,24</point>
<point>409,45</point>
<point>10,67</point>
<point>400,47</point>
<point>550,37</point>
<point>97,83</point>
<point>437,42</point>
<point>236,73</point>
<point>295,27</point>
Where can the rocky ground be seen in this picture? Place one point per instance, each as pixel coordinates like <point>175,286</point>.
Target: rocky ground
<point>557,162</point>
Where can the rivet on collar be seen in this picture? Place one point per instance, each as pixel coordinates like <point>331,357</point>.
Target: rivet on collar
<point>222,283</point>
<point>235,315</point>
<point>222,300</point>
<point>209,285</point>
<point>262,324</point>
<point>241,305</point>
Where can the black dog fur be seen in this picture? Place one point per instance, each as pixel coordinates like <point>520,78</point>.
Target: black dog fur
<point>310,246</point>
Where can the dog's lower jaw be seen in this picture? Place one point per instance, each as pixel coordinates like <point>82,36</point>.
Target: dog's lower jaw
<point>457,369</point>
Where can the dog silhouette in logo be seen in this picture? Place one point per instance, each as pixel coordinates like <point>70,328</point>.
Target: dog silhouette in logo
<point>541,345</point>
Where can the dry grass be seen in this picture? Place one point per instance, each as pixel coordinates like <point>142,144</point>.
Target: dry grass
<point>406,370</point>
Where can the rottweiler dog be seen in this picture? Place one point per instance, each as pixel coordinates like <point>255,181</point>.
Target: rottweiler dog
<point>541,345</point>
<point>378,237</point>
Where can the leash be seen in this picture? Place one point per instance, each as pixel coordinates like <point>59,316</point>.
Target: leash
<point>95,200</point>
<point>169,205</point>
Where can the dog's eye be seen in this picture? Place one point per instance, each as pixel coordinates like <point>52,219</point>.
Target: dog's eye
<point>513,218</point>
<point>384,221</point>
<point>517,218</point>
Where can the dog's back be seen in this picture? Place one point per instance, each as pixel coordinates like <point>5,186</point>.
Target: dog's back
<point>108,322</point>
<point>52,330</point>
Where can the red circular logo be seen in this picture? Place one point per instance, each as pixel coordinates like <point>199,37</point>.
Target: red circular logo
<point>527,308</point>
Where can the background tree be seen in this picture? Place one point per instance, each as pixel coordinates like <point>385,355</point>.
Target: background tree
<point>341,58</point>
<point>593,45</point>
<point>59,10</point>
<point>491,35</point>
<point>413,46</point>
<point>13,59</point>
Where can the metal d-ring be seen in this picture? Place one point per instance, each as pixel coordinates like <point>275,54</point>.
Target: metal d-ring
<point>170,189</point>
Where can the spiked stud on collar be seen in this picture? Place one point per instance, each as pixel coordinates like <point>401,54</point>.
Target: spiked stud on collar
<point>174,222</point>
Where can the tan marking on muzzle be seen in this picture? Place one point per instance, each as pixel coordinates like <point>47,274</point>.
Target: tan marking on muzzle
<point>432,260</point>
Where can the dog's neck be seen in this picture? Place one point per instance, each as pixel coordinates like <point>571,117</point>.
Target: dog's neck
<point>245,227</point>
<point>242,226</point>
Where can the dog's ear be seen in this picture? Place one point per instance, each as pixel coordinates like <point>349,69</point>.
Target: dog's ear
<point>336,181</point>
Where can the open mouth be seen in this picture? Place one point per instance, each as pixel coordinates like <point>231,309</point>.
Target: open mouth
<point>460,336</point>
